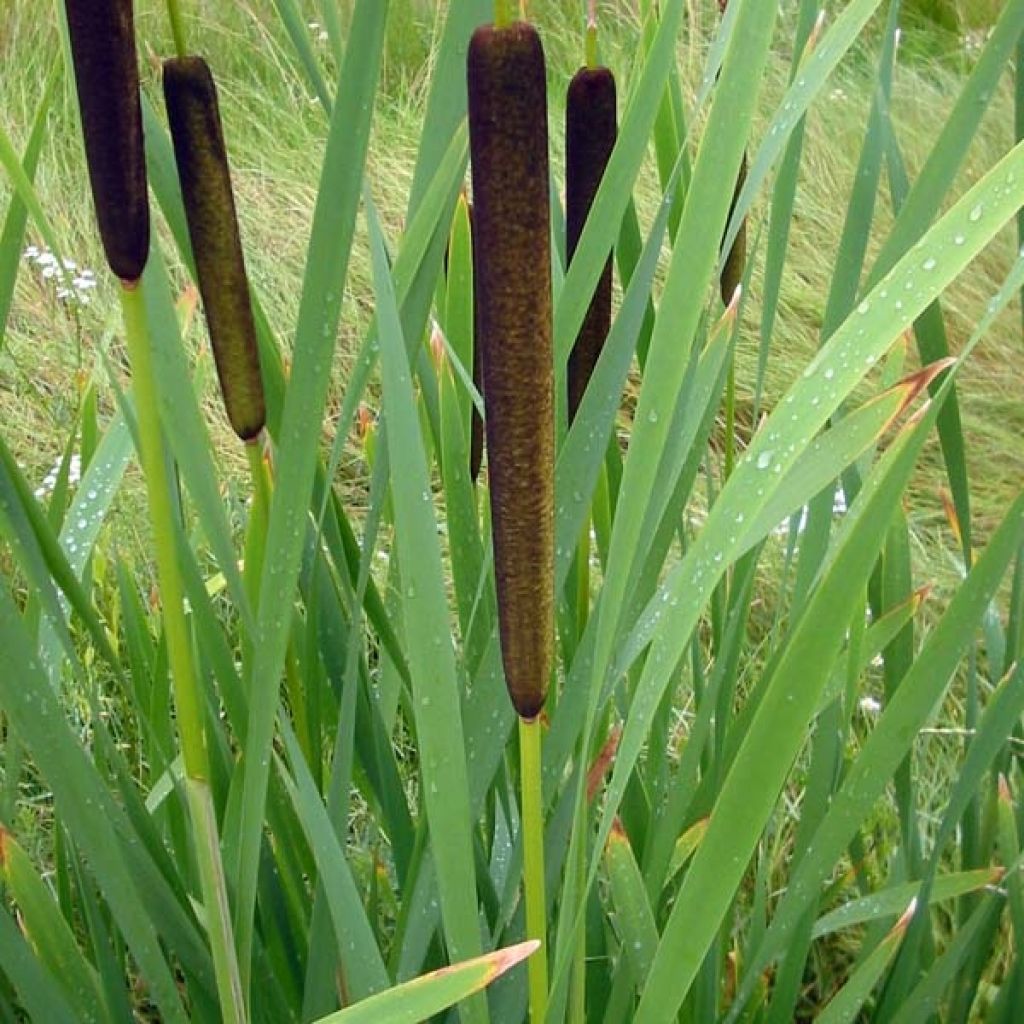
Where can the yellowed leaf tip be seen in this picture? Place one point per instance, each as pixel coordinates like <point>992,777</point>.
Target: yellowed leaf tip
<point>1004,790</point>
<point>602,762</point>
<point>815,36</point>
<point>364,421</point>
<point>908,915</point>
<point>4,839</point>
<point>505,959</point>
<point>437,353</point>
<point>949,508</point>
<point>617,833</point>
<point>919,597</point>
<point>913,384</point>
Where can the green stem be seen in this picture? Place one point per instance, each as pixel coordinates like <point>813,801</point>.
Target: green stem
<point>187,698</point>
<point>591,43</point>
<point>533,864</point>
<point>578,983</point>
<point>177,27</point>
<point>582,581</point>
<point>730,421</point>
<point>256,535</point>
<point>503,16</point>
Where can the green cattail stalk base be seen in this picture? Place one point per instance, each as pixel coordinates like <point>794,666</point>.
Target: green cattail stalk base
<point>187,698</point>
<point>532,823</point>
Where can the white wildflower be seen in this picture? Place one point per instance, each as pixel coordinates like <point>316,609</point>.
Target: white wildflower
<point>869,705</point>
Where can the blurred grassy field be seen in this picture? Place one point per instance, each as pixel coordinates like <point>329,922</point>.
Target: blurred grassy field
<point>275,135</point>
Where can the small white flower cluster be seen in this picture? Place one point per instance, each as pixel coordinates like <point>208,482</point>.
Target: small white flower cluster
<point>50,480</point>
<point>318,31</point>
<point>975,40</point>
<point>870,705</point>
<point>73,287</point>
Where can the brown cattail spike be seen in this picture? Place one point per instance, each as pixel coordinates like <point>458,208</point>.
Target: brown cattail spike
<point>736,261</point>
<point>590,131</point>
<point>511,215</point>
<point>213,228</point>
<point>102,36</point>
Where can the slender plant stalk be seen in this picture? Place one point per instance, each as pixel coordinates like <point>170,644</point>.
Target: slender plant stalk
<point>578,981</point>
<point>591,43</point>
<point>186,689</point>
<point>533,863</point>
<point>177,27</point>
<point>503,13</point>
<point>730,420</point>
<point>256,537</point>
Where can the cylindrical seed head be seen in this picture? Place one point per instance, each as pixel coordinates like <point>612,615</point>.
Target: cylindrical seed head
<point>102,37</point>
<point>202,161</point>
<point>512,261</point>
<point>736,261</point>
<point>590,132</point>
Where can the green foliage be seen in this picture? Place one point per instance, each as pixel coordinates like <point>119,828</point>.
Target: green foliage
<point>257,758</point>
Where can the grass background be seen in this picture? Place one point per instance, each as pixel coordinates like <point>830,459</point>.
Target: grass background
<point>275,136</point>
<point>276,133</point>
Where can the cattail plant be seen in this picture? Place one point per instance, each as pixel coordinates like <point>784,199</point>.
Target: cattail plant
<point>512,267</point>
<point>101,34</point>
<point>590,132</point>
<point>102,37</point>
<point>200,154</point>
<point>508,140</point>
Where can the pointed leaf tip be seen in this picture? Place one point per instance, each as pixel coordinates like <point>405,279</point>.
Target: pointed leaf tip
<point>506,959</point>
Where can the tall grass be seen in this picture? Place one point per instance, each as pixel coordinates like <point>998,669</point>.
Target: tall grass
<point>778,780</point>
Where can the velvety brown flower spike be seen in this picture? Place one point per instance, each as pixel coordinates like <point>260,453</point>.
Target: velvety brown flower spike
<point>102,36</point>
<point>202,161</point>
<point>590,132</point>
<point>512,263</point>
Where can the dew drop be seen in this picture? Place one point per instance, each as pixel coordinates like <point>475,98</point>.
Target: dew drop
<point>863,308</point>
<point>764,460</point>
<point>975,215</point>
<point>929,264</point>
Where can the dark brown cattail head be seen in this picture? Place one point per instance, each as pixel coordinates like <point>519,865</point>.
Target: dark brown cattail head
<point>102,36</point>
<point>736,261</point>
<point>205,179</point>
<point>590,132</point>
<point>512,261</point>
